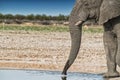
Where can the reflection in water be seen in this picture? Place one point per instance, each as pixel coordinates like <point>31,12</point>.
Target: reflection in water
<point>64,78</point>
<point>106,78</point>
<point>45,75</point>
<point>82,76</point>
<point>109,79</point>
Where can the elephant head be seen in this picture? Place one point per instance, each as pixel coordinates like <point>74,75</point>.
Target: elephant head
<point>100,10</point>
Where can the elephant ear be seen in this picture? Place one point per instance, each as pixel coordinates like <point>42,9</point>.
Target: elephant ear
<point>109,9</point>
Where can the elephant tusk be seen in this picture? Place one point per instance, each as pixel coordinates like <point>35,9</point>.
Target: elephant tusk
<point>78,23</point>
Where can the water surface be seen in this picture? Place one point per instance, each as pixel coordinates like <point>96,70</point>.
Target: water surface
<point>44,75</point>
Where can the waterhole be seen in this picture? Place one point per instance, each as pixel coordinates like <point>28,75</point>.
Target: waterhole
<point>44,75</point>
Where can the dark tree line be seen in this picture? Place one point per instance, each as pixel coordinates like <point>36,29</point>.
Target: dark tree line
<point>34,17</point>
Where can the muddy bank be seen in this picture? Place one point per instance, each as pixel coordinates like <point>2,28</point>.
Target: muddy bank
<point>49,51</point>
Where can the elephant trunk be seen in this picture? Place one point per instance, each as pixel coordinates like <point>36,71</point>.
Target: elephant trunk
<point>75,32</point>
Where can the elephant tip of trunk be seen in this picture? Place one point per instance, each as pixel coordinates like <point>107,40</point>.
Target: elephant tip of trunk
<point>63,75</point>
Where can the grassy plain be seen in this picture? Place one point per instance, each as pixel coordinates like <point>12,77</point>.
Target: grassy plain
<point>49,28</point>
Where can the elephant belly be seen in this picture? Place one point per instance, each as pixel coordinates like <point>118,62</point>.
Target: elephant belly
<point>109,10</point>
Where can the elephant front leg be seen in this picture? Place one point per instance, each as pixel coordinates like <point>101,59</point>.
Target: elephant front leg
<point>110,44</point>
<point>117,28</point>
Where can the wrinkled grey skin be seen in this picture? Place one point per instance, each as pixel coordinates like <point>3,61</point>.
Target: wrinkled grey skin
<point>105,12</point>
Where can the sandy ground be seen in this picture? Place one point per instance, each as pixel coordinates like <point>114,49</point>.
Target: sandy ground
<point>50,50</point>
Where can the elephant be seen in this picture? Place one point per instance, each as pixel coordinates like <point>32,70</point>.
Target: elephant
<point>106,13</point>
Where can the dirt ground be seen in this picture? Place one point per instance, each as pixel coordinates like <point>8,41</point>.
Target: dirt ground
<point>50,50</point>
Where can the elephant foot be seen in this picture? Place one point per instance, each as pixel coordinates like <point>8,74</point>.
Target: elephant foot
<point>111,74</point>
